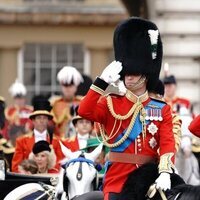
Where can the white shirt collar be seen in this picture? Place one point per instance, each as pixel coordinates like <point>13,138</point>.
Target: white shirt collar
<point>83,137</point>
<point>40,136</point>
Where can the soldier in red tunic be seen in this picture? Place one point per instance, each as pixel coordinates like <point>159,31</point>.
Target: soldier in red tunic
<point>176,103</point>
<point>69,79</point>
<point>18,113</point>
<point>133,125</point>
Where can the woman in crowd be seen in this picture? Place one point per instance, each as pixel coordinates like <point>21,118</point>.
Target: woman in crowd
<point>44,156</point>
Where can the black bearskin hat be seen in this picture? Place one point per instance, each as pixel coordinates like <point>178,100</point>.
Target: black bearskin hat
<point>138,46</point>
<point>159,89</point>
<point>169,80</point>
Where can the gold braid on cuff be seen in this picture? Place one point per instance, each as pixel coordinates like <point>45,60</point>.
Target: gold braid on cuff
<point>97,89</point>
<point>165,164</point>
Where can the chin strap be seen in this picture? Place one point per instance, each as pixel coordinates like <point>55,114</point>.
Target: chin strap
<point>138,83</point>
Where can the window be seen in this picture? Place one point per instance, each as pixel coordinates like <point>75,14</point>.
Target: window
<point>41,63</point>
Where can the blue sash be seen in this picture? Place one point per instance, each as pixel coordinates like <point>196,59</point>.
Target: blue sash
<point>137,128</point>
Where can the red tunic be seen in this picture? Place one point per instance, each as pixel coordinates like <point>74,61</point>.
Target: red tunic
<point>178,102</point>
<point>62,115</point>
<point>72,143</point>
<point>94,107</point>
<point>24,146</point>
<point>19,116</point>
<point>194,126</point>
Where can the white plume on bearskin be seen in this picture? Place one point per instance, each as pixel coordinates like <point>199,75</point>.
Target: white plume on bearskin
<point>153,34</point>
<point>69,74</point>
<point>17,88</point>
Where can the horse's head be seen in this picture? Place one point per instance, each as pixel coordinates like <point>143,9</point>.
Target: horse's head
<point>80,170</point>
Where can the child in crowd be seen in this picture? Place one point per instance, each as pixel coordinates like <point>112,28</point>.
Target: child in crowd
<point>28,167</point>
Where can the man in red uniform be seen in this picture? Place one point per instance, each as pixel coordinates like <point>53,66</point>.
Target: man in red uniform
<point>134,126</point>
<point>69,79</point>
<point>24,145</point>
<point>83,129</point>
<point>18,113</point>
<point>175,102</point>
<point>194,126</point>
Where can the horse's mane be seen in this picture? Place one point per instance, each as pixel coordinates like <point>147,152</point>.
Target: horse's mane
<point>138,182</point>
<point>186,192</point>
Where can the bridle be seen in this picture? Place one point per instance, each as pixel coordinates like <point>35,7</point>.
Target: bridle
<point>81,159</point>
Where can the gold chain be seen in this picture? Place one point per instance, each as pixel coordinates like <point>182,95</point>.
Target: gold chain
<point>117,116</point>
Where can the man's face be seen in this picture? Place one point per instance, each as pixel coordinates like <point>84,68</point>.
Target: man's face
<point>170,90</point>
<point>131,81</point>
<point>40,122</point>
<point>83,126</point>
<point>20,101</point>
<point>69,91</point>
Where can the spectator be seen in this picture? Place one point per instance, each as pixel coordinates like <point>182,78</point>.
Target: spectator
<point>40,118</point>
<point>83,128</point>
<point>28,167</point>
<point>44,156</point>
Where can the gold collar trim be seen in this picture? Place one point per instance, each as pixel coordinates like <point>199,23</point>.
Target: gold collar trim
<point>134,98</point>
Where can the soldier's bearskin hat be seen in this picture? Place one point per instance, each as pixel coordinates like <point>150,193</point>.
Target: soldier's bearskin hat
<point>169,80</point>
<point>138,46</point>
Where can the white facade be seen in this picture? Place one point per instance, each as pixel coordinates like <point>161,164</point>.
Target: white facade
<point>179,24</point>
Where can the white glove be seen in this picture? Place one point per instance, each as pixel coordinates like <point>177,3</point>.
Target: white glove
<point>111,73</point>
<point>163,182</point>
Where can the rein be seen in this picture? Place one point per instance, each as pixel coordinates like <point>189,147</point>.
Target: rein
<point>80,159</point>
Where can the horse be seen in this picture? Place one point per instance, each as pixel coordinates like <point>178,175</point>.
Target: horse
<point>75,181</point>
<point>77,174</point>
<point>185,161</point>
<point>140,185</point>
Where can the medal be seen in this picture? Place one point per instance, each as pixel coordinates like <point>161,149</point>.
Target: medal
<point>152,142</point>
<point>156,115</point>
<point>152,128</point>
<point>151,115</point>
<point>160,115</point>
<point>147,115</point>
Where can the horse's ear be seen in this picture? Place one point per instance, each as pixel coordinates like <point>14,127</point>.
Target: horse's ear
<point>67,152</point>
<point>95,153</point>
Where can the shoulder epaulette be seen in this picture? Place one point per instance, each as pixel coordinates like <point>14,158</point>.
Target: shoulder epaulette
<point>3,141</point>
<point>72,138</point>
<point>54,99</point>
<point>158,100</point>
<point>29,134</point>
<point>2,99</point>
<point>79,97</point>
<point>114,95</point>
<point>29,107</point>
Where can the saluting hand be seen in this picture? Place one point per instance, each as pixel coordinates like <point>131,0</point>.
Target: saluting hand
<point>111,73</point>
